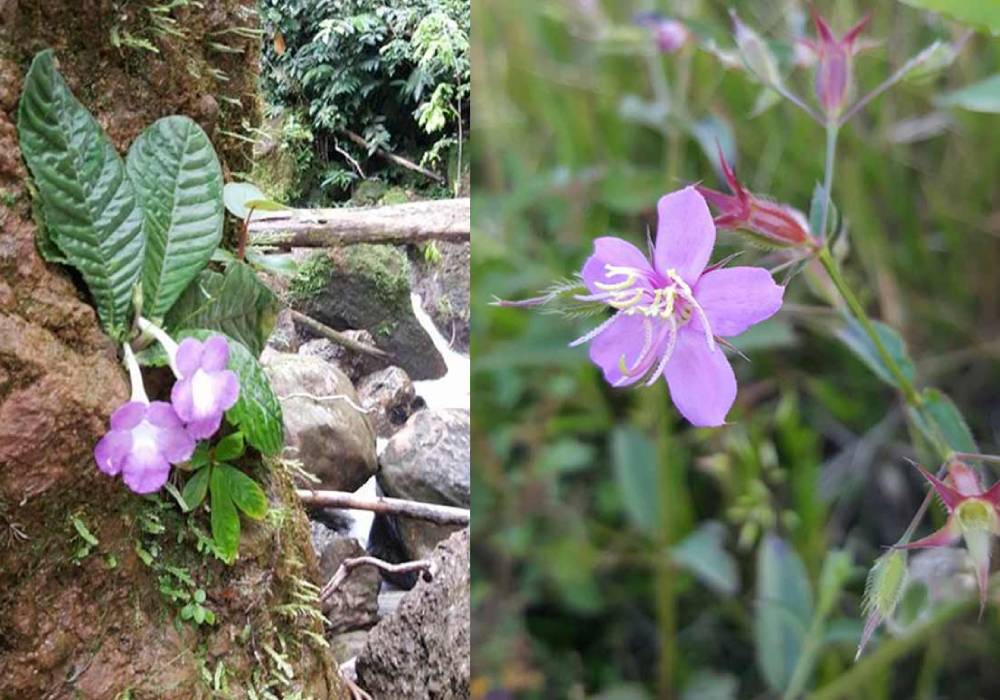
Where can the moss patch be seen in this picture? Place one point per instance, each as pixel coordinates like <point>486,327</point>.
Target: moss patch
<point>385,266</point>
<point>311,277</point>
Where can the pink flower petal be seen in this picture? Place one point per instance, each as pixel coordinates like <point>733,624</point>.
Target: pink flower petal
<point>182,399</point>
<point>145,473</point>
<point>215,354</point>
<point>736,298</point>
<point>176,444</point>
<point>625,338</point>
<point>111,451</point>
<point>202,428</point>
<point>189,356</point>
<point>162,415</point>
<point>685,234</point>
<point>128,415</point>
<point>228,387</point>
<point>702,383</point>
<point>609,250</point>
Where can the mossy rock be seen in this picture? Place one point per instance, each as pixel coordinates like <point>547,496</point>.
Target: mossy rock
<point>367,287</point>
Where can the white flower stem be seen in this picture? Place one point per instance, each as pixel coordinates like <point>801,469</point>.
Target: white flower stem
<point>168,343</point>
<point>135,374</point>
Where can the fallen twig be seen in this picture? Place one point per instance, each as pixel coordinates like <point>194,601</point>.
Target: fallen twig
<point>349,565</point>
<point>336,336</point>
<point>392,157</point>
<point>432,512</point>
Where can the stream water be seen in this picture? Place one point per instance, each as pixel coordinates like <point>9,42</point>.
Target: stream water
<point>449,391</point>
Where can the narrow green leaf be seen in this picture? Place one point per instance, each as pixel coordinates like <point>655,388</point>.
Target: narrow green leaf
<point>783,610</point>
<point>982,14</point>
<point>178,182</point>
<point>246,493</point>
<point>941,421</point>
<point>230,447</point>
<point>703,554</point>
<point>225,519</point>
<point>855,338</point>
<point>194,489</point>
<point>87,198</point>
<point>236,303</point>
<point>633,456</point>
<point>983,96</point>
<point>85,534</point>
<point>202,452</point>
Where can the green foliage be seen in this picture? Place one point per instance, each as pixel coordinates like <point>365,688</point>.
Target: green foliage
<point>178,181</point>
<point>311,278</point>
<point>783,610</point>
<point>858,341</point>
<point>396,73</point>
<point>88,201</point>
<point>234,302</point>
<point>983,96</point>
<point>982,14</point>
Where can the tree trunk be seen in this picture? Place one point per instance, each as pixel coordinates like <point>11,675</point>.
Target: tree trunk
<point>416,222</point>
<point>84,620</point>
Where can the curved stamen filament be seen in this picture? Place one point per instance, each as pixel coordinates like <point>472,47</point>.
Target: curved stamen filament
<point>667,354</point>
<point>628,273</point>
<point>594,333</point>
<point>685,293</point>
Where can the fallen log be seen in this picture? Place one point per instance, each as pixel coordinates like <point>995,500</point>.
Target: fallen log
<point>397,224</point>
<point>432,512</point>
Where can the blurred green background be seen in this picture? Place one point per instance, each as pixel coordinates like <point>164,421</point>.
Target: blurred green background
<point>617,552</point>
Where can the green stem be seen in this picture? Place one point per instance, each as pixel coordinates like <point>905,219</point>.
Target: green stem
<point>851,683</point>
<point>905,385</point>
<point>831,156</point>
<point>666,594</point>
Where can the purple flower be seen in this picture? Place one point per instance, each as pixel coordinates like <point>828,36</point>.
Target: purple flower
<point>144,440</point>
<point>204,389</point>
<point>670,34</point>
<point>669,310</point>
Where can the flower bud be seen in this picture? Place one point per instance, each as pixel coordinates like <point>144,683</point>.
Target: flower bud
<point>774,224</point>
<point>755,52</point>
<point>883,591</point>
<point>834,65</point>
<point>670,34</point>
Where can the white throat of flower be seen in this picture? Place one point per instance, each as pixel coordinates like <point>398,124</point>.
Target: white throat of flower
<point>168,343</point>
<point>135,375</point>
<point>630,299</point>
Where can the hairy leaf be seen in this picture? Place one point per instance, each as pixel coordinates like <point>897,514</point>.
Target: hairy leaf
<point>225,519</point>
<point>194,489</point>
<point>941,422</point>
<point>246,493</point>
<point>236,303</point>
<point>178,182</point>
<point>854,337</point>
<point>88,201</point>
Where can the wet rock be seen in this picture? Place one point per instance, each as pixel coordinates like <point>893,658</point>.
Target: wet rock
<point>347,645</point>
<point>354,604</point>
<point>284,337</point>
<point>443,283</point>
<point>388,395</point>
<point>428,460</point>
<point>329,435</point>
<point>354,364</point>
<point>422,649</point>
<point>368,287</point>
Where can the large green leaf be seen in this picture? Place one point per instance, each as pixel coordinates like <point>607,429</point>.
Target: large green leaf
<point>783,610</point>
<point>225,519</point>
<point>633,456</point>
<point>87,199</point>
<point>983,96</point>
<point>236,303</point>
<point>983,14</point>
<point>246,493</point>
<point>178,181</point>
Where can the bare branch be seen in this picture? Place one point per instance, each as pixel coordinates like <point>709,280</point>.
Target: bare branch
<point>336,336</point>
<point>432,512</point>
<point>349,565</point>
<point>393,158</point>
